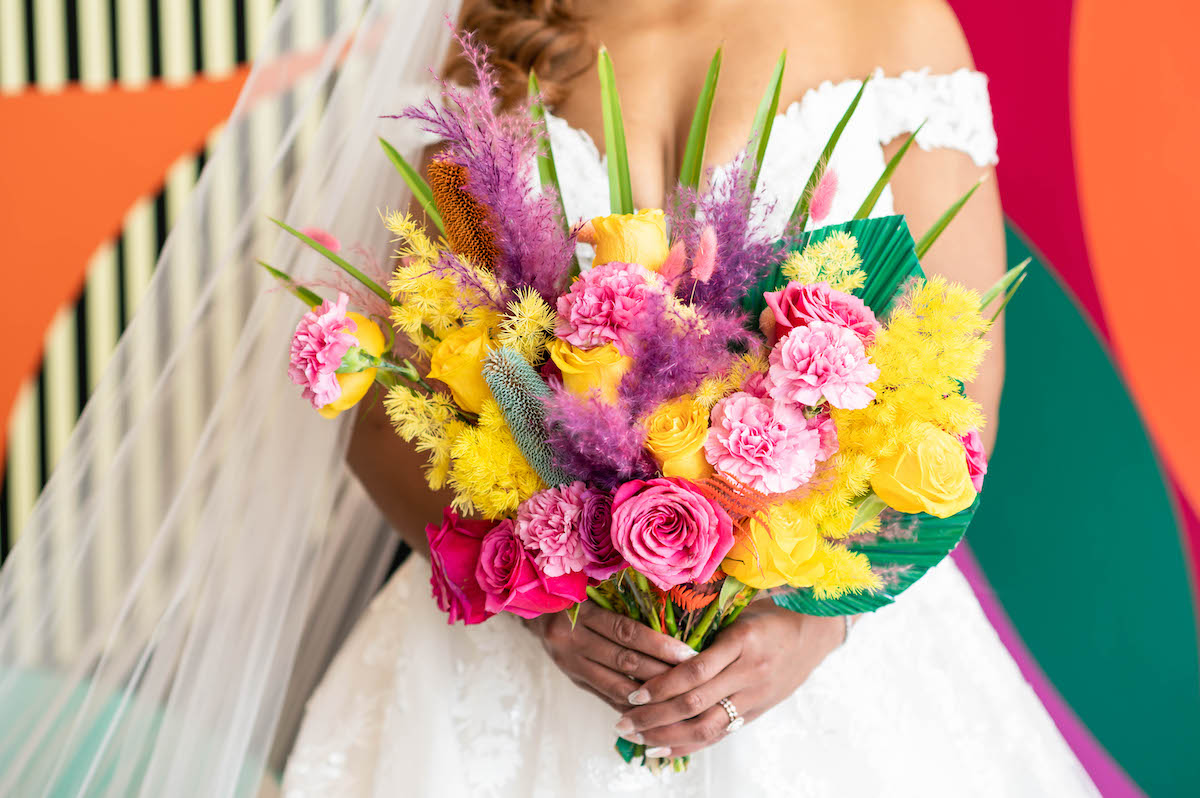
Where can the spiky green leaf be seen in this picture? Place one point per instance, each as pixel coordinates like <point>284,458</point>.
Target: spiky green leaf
<point>693,151</point>
<point>620,190</point>
<point>1003,284</point>
<point>868,205</point>
<point>868,510</point>
<point>944,221</point>
<point>416,184</point>
<point>729,590</point>
<point>764,119</point>
<point>340,262</point>
<point>1008,298</point>
<point>302,293</point>
<point>799,216</point>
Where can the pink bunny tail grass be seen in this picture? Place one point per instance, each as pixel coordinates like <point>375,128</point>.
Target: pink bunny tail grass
<point>672,268</point>
<point>822,197</point>
<point>705,262</point>
<point>322,237</point>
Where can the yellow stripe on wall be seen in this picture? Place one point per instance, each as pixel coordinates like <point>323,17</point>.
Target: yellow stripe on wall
<point>12,46</point>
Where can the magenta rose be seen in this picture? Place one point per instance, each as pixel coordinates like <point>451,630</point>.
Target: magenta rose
<point>976,458</point>
<point>670,532</point>
<point>595,530</point>
<point>508,575</point>
<point>760,442</point>
<point>453,554</point>
<point>822,362</point>
<point>800,304</point>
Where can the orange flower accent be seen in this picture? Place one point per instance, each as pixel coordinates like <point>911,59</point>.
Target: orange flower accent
<point>696,597</point>
<point>466,220</point>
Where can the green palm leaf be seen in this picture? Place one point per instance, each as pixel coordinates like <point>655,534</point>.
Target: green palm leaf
<point>944,221</point>
<point>693,151</point>
<point>888,257</point>
<point>620,191</point>
<point>764,119</point>
<point>902,560</point>
<point>303,294</point>
<point>340,262</point>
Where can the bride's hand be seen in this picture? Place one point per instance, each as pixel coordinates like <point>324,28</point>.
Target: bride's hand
<point>755,663</point>
<point>607,654</point>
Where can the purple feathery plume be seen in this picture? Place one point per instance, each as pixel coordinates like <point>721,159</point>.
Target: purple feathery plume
<point>675,354</point>
<point>474,291</point>
<point>594,441</point>
<point>497,149</point>
<point>744,251</point>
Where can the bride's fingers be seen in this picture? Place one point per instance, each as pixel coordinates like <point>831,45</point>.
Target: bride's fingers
<point>687,736</point>
<point>684,678</point>
<point>611,686</point>
<point>692,704</point>
<point>628,633</point>
<point>634,664</point>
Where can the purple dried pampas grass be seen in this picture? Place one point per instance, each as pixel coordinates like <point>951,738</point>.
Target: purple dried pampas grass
<point>675,354</point>
<point>596,442</point>
<point>744,251</point>
<point>497,150</point>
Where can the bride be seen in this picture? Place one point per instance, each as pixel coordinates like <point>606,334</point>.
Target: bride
<point>252,552</point>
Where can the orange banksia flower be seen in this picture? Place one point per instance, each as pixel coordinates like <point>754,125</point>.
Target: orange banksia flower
<point>466,220</point>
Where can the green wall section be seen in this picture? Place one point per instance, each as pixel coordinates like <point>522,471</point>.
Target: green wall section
<point>1078,537</point>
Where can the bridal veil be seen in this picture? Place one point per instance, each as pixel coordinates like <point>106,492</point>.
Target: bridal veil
<point>201,548</point>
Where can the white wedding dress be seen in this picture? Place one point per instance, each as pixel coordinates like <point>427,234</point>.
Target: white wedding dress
<point>922,700</point>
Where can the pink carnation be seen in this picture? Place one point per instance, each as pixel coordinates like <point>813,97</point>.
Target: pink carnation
<point>976,458</point>
<point>322,337</point>
<point>819,361</point>
<point>548,523</point>
<point>762,443</point>
<point>669,531</point>
<point>603,305</point>
<point>800,304</point>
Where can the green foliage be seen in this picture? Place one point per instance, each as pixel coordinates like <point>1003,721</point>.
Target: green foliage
<point>764,119</point>
<point>799,216</point>
<point>340,262</point>
<point>303,294</point>
<point>416,184</point>
<point>868,205</point>
<point>944,221</point>
<point>693,151</point>
<point>620,190</point>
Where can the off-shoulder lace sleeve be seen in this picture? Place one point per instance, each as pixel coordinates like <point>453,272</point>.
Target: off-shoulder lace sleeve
<point>957,107</point>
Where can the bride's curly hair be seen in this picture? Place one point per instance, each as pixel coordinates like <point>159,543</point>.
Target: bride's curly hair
<point>547,36</point>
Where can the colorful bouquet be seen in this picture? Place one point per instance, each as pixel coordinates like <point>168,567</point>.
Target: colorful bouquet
<point>704,414</point>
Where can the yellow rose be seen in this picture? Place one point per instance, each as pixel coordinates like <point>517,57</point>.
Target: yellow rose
<point>675,434</point>
<point>356,385</point>
<point>929,477</point>
<point>586,369</point>
<point>458,362</point>
<point>786,553</point>
<point>632,238</point>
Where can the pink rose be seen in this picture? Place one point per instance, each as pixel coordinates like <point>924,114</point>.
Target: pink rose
<point>822,361</point>
<point>669,531</point>
<point>603,305</point>
<point>800,304</point>
<point>595,529</point>
<point>976,458</point>
<point>762,443</point>
<point>322,337</point>
<point>453,554</point>
<point>827,432</point>
<point>508,575</point>
<point>548,525</point>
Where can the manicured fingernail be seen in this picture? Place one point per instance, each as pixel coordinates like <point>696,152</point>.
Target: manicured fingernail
<point>657,753</point>
<point>639,696</point>
<point>686,652</point>
<point>634,738</point>
<point>624,726</point>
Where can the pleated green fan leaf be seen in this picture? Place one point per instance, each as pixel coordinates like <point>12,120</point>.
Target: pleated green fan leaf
<point>923,542</point>
<point>519,390</point>
<point>888,257</point>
